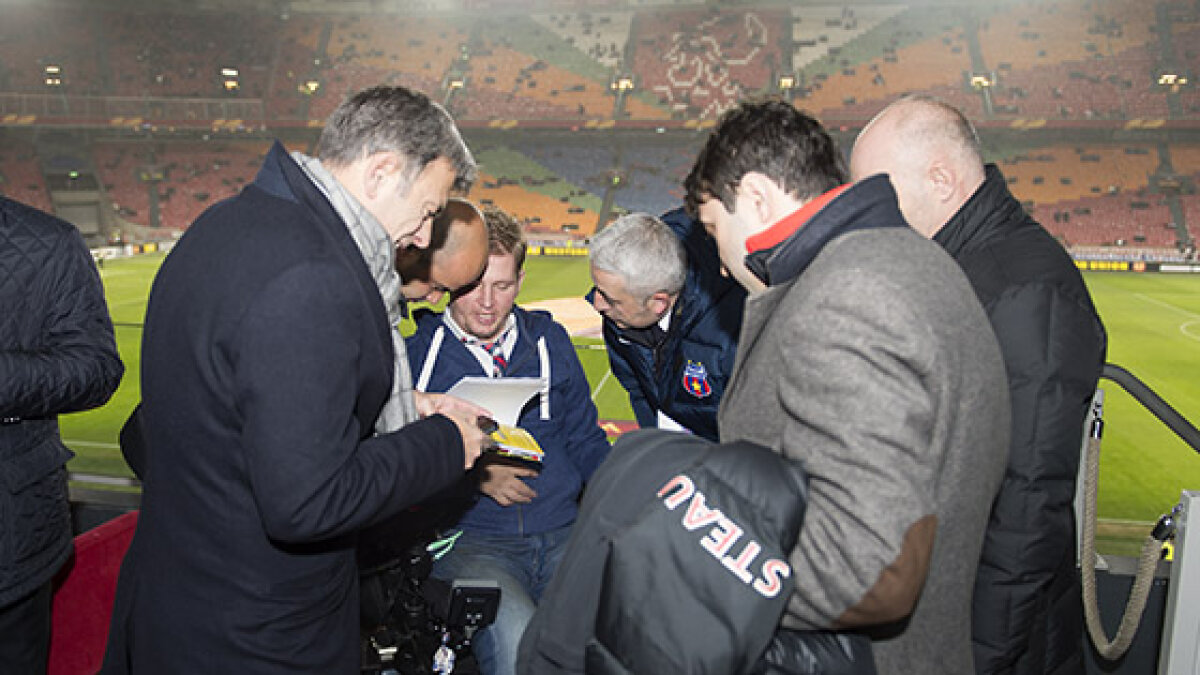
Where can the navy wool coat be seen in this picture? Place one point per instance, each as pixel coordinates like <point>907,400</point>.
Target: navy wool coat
<point>266,359</point>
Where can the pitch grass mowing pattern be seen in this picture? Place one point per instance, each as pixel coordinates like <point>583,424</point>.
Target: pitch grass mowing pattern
<point>1154,331</point>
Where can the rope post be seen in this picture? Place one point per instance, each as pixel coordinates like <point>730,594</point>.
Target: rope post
<point>1148,560</point>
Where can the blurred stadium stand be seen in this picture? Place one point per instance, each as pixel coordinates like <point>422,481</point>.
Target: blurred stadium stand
<point>595,108</point>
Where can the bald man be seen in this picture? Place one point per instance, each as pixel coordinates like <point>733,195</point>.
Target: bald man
<point>1027,615</point>
<point>455,258</point>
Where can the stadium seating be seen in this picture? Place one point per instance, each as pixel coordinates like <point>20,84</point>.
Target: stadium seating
<point>189,177</point>
<point>182,54</point>
<point>533,194</point>
<point>33,36</point>
<point>1061,32</point>
<point>299,43</point>
<point>365,51</point>
<point>21,175</point>
<point>197,176</point>
<point>819,32</point>
<point>601,37</point>
<point>1096,195</point>
<point>1060,172</point>
<point>522,70</point>
<point>653,181</point>
<point>120,168</point>
<point>919,50</point>
<point>1075,60</point>
<point>651,176</point>
<point>1117,220</point>
<point>1054,59</point>
<point>701,62</point>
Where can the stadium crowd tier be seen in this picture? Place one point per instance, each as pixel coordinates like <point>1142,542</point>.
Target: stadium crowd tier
<point>21,175</point>
<point>182,178</point>
<point>701,62</point>
<point>1065,59</point>
<point>148,69</point>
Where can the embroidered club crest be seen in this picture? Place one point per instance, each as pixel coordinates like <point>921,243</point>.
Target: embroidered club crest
<point>695,380</point>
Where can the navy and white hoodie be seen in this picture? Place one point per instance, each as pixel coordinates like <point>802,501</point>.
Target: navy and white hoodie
<point>563,418</point>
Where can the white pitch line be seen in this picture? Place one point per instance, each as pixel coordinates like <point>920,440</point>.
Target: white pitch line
<point>1183,327</point>
<point>102,480</point>
<point>90,444</point>
<point>603,380</point>
<point>1168,305</point>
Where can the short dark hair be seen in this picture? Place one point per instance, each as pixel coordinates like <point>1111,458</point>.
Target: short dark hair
<point>772,137</point>
<point>504,235</point>
<point>399,120</point>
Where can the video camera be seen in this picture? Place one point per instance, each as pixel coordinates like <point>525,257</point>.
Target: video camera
<point>415,624</point>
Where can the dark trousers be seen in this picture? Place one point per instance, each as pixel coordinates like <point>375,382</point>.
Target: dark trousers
<point>25,633</point>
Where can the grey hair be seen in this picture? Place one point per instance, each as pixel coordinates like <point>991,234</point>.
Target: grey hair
<point>396,119</point>
<point>642,250</point>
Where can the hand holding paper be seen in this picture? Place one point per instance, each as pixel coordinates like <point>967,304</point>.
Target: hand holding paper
<point>463,414</point>
<point>505,396</point>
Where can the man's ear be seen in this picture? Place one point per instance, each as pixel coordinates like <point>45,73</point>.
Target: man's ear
<point>757,190</point>
<point>659,302</point>
<point>942,179</point>
<point>378,170</point>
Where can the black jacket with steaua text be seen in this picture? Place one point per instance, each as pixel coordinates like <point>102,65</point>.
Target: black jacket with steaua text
<point>678,564</point>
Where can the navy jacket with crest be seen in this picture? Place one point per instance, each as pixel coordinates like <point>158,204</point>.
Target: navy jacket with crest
<point>685,378</point>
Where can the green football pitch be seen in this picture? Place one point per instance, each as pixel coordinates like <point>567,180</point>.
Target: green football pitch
<point>1153,322</point>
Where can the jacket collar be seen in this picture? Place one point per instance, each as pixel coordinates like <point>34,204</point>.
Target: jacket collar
<point>521,323</point>
<point>281,177</point>
<point>783,251</point>
<point>982,216</point>
<point>278,173</point>
<point>702,287</point>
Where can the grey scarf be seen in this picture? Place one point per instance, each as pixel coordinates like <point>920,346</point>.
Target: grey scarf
<point>379,253</point>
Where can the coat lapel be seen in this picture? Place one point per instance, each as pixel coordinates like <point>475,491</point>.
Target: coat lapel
<point>312,198</point>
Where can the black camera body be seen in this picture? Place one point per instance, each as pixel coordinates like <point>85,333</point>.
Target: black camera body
<point>415,624</point>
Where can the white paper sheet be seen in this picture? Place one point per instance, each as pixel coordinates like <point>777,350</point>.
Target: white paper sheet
<point>503,396</point>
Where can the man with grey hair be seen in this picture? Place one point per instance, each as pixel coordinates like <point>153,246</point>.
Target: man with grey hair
<point>1027,616</point>
<point>671,319</point>
<point>278,415</point>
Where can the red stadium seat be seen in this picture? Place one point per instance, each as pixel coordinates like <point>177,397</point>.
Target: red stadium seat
<point>83,602</point>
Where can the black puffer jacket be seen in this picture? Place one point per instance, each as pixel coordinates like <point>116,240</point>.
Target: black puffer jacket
<point>57,355</point>
<point>1027,615</point>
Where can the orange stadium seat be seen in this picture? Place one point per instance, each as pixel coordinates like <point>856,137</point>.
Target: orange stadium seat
<point>536,210</point>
